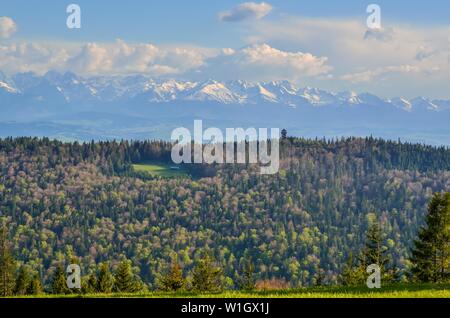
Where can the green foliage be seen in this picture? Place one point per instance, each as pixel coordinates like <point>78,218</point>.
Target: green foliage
<point>207,277</point>
<point>125,281</point>
<point>59,282</point>
<point>247,280</point>
<point>105,280</point>
<point>173,280</point>
<point>431,252</point>
<point>35,287</point>
<point>353,273</point>
<point>23,281</point>
<point>89,284</point>
<point>7,265</point>
<point>84,201</point>
<point>374,251</point>
<point>123,278</point>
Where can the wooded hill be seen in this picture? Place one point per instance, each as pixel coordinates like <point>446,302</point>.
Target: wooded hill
<point>65,201</point>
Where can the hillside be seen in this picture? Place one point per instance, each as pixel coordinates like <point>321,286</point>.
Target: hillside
<point>66,200</point>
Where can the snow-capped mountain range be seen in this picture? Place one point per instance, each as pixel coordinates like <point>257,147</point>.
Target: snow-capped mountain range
<point>73,88</point>
<point>69,106</point>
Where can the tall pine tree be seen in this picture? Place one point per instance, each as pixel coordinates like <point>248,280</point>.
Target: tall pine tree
<point>431,252</point>
<point>125,281</point>
<point>59,282</point>
<point>173,280</point>
<point>23,281</point>
<point>206,276</point>
<point>105,280</point>
<point>374,251</point>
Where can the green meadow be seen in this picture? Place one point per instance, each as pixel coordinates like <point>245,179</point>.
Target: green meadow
<point>160,170</point>
<point>394,291</point>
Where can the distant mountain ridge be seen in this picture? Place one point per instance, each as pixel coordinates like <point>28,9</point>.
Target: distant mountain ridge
<point>118,88</point>
<point>68,106</point>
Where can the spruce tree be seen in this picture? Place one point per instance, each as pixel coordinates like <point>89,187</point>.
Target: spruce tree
<point>123,278</point>
<point>7,265</point>
<point>374,251</point>
<point>105,280</point>
<point>23,281</point>
<point>352,274</point>
<point>35,287</point>
<point>247,279</point>
<point>59,283</point>
<point>89,285</point>
<point>173,280</point>
<point>206,276</point>
<point>431,252</point>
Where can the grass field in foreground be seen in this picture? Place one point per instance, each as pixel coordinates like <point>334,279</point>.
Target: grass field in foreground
<point>394,291</point>
<point>160,170</point>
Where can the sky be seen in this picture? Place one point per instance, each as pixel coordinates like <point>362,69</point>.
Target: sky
<point>325,44</point>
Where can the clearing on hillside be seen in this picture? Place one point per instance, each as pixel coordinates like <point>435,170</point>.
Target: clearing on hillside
<point>161,170</point>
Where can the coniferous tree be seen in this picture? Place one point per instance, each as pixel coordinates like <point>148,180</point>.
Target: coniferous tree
<point>247,280</point>
<point>352,274</point>
<point>35,287</point>
<point>374,251</point>
<point>23,281</point>
<point>90,284</point>
<point>125,281</point>
<point>105,280</point>
<point>173,280</point>
<point>206,276</point>
<point>59,282</point>
<point>431,252</point>
<point>7,265</point>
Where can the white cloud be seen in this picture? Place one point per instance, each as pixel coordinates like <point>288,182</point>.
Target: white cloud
<point>101,58</point>
<point>255,62</point>
<point>263,62</point>
<point>408,59</point>
<point>247,10</point>
<point>377,73</point>
<point>7,27</point>
<point>34,57</point>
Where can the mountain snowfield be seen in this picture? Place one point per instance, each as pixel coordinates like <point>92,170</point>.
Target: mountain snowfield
<point>101,107</point>
<point>115,88</point>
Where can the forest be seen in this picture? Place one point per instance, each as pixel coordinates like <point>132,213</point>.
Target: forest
<point>83,203</point>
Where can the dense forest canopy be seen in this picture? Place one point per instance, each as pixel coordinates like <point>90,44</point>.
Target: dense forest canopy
<point>62,201</point>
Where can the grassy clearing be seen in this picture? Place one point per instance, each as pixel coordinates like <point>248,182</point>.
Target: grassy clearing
<point>160,170</point>
<point>397,291</point>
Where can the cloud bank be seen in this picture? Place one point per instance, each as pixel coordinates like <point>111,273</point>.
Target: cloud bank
<point>255,62</point>
<point>263,62</point>
<point>397,59</point>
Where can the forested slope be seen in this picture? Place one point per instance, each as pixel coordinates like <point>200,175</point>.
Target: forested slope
<point>62,200</point>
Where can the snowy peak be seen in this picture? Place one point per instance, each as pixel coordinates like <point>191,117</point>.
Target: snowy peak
<point>213,91</point>
<point>7,85</point>
<point>402,103</point>
<point>72,88</point>
<point>421,103</point>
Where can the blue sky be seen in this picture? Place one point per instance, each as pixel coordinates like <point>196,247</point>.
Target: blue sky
<point>315,43</point>
<point>191,21</point>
